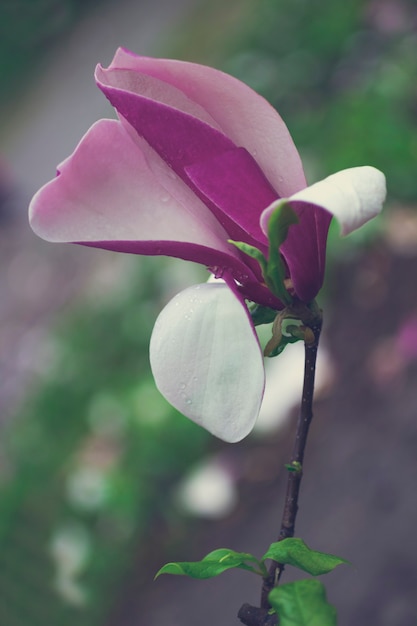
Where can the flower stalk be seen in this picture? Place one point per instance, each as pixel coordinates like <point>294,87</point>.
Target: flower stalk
<point>311,316</point>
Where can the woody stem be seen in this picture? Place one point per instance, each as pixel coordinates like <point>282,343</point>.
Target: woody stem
<point>295,465</point>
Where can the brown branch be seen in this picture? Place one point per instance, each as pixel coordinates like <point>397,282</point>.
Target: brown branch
<point>297,458</point>
<point>312,320</point>
<point>254,616</point>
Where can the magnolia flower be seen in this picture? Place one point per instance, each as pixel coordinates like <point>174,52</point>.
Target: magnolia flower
<point>196,159</point>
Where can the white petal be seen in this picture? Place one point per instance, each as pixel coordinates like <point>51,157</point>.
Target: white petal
<point>207,362</point>
<point>353,196</point>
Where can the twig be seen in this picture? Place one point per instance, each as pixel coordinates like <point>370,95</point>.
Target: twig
<point>297,458</point>
<point>311,316</point>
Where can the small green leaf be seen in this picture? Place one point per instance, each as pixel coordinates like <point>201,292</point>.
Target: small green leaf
<point>303,603</point>
<point>295,552</point>
<point>252,252</point>
<point>279,223</point>
<point>261,314</point>
<point>295,467</point>
<point>213,564</point>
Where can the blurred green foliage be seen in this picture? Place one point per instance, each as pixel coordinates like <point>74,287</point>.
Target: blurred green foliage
<point>342,75</point>
<point>89,459</point>
<point>27,30</point>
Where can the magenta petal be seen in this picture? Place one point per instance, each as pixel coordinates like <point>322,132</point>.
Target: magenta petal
<point>154,89</point>
<point>353,196</point>
<point>179,138</point>
<point>238,111</point>
<point>304,249</point>
<point>204,158</point>
<point>234,182</point>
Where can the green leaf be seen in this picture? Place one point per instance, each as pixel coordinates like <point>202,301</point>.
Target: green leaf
<point>213,564</point>
<point>252,252</point>
<point>295,467</point>
<point>273,269</point>
<point>295,552</point>
<point>279,223</point>
<point>303,603</point>
<point>261,314</point>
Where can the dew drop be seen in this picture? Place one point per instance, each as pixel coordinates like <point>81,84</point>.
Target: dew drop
<point>165,198</point>
<point>186,399</point>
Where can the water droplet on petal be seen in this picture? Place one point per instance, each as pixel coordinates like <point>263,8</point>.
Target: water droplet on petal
<point>187,399</point>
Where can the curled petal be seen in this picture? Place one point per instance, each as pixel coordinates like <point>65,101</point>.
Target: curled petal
<point>236,109</point>
<point>202,156</point>
<point>353,196</point>
<point>206,360</point>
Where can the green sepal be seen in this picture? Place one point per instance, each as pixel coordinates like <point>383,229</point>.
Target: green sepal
<point>213,564</point>
<point>261,314</point>
<point>282,217</point>
<point>273,269</point>
<point>251,251</point>
<point>295,552</point>
<point>303,603</point>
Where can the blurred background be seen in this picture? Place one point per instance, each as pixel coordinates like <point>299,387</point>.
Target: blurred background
<point>101,482</point>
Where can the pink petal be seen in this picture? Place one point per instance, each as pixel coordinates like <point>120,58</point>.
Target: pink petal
<point>202,156</point>
<point>113,195</point>
<point>242,114</point>
<point>133,81</point>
